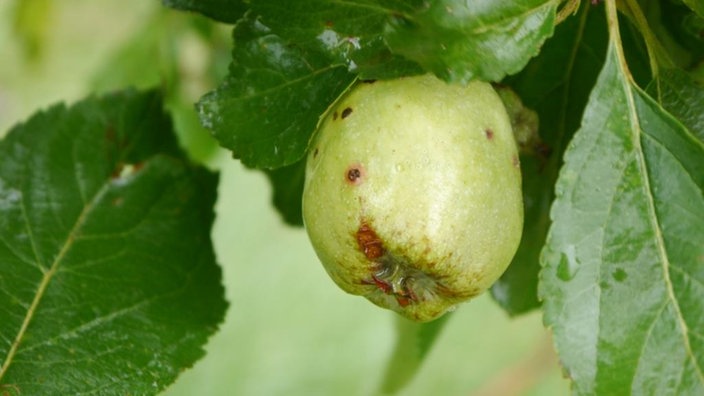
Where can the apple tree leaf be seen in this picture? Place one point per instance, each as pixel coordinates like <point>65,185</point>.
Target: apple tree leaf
<point>460,40</point>
<point>268,106</point>
<point>623,279</point>
<point>349,33</point>
<point>108,279</point>
<point>683,97</point>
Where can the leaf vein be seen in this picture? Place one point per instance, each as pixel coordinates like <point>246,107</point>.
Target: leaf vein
<point>48,275</point>
<point>648,334</point>
<point>75,332</point>
<point>20,256</point>
<point>637,132</point>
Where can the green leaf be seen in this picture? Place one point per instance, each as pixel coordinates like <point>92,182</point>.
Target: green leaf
<point>287,183</point>
<point>108,279</point>
<point>460,40</point>
<point>622,281</point>
<point>456,40</point>
<point>349,33</point>
<point>268,107</point>
<point>556,84</point>
<point>683,97</point>
<point>228,11</point>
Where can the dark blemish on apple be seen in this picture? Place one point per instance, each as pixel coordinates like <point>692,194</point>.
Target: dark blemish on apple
<point>346,112</point>
<point>489,133</point>
<point>368,81</point>
<point>369,243</point>
<point>334,116</point>
<point>315,152</point>
<point>354,174</point>
<point>515,161</point>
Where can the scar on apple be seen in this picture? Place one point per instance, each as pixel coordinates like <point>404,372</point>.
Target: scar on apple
<point>346,112</point>
<point>369,243</point>
<point>354,174</point>
<point>489,133</point>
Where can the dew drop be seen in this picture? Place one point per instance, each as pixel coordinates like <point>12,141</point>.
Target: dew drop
<point>568,267</point>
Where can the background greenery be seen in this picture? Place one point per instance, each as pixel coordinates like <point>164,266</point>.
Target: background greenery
<point>289,329</point>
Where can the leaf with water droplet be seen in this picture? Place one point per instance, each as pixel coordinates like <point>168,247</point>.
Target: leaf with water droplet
<point>567,268</point>
<point>268,106</point>
<point>462,40</point>
<point>632,213</point>
<point>348,33</point>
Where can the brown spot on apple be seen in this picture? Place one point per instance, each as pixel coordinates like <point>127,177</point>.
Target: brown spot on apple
<point>489,133</point>
<point>369,243</point>
<point>346,112</point>
<point>354,174</point>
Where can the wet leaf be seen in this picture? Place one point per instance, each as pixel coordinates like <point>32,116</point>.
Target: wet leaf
<point>349,33</point>
<point>268,106</point>
<point>108,280</point>
<point>622,279</point>
<point>461,40</point>
<point>386,38</point>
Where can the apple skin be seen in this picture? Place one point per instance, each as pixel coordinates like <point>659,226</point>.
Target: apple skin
<point>412,195</point>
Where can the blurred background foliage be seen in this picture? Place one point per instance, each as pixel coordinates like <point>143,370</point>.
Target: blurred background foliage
<point>289,330</point>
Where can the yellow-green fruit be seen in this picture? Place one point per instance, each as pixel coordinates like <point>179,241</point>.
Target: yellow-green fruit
<point>412,196</point>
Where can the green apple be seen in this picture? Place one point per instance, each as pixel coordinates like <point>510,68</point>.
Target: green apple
<point>412,195</point>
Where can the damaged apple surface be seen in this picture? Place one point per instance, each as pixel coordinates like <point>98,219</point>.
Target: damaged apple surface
<point>412,196</point>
